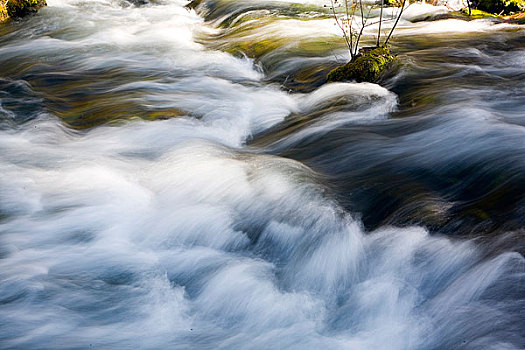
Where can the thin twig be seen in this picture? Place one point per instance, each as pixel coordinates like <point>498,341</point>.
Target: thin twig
<point>380,21</point>
<point>342,28</point>
<point>395,24</point>
<point>363,22</point>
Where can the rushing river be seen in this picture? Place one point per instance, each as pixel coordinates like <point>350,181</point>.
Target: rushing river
<point>180,177</point>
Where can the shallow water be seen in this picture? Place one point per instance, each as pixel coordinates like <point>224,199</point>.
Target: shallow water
<point>181,178</point>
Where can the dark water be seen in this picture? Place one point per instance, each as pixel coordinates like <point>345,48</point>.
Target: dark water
<point>181,177</point>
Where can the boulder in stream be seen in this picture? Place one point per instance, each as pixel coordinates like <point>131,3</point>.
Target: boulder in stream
<point>366,66</point>
<point>19,8</point>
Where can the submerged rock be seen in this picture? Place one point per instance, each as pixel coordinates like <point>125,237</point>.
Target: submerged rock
<point>367,66</point>
<point>19,8</point>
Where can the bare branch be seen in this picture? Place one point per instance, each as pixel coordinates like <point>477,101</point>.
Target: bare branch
<point>349,23</point>
<point>380,22</point>
<point>395,24</point>
<point>353,28</point>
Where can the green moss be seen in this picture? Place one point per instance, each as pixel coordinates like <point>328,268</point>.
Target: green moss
<point>367,66</point>
<point>477,14</point>
<point>20,8</point>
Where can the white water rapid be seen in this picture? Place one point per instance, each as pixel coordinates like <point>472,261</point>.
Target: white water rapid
<point>174,234</point>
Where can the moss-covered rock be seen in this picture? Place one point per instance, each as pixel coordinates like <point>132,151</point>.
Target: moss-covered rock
<point>367,66</point>
<point>477,14</point>
<point>397,3</point>
<point>20,8</point>
<point>500,6</point>
<point>393,3</point>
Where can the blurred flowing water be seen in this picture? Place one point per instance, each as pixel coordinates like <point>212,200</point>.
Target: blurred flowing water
<point>178,176</point>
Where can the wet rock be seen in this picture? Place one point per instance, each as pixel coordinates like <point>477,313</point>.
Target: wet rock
<point>20,8</point>
<point>476,14</point>
<point>367,66</point>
